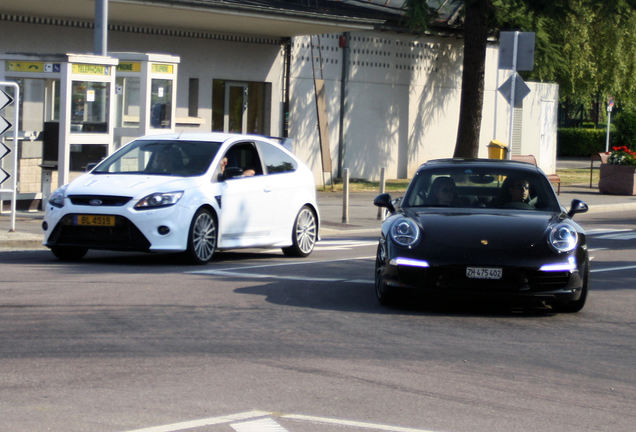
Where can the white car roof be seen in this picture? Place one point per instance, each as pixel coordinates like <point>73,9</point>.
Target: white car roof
<point>205,136</point>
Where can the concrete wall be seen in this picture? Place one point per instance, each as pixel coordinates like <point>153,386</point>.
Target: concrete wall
<point>402,105</point>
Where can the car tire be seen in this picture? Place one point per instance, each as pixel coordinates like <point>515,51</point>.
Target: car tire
<point>202,237</point>
<point>304,234</point>
<point>383,292</point>
<point>576,305</point>
<point>69,253</point>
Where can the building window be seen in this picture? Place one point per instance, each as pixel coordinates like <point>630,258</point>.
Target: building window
<point>243,107</point>
<point>193,97</point>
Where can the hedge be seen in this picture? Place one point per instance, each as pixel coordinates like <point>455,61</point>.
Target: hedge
<point>580,142</point>
<point>625,129</point>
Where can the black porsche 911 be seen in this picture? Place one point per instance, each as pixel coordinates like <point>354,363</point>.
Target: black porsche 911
<point>482,227</point>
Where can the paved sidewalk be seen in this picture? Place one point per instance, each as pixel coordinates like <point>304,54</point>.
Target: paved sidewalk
<point>363,215</point>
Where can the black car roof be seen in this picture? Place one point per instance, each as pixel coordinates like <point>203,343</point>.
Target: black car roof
<point>478,162</point>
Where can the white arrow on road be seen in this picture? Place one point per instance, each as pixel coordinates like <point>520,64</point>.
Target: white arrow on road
<point>260,425</point>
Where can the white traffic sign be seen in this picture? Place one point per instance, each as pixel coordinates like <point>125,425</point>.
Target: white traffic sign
<point>521,90</point>
<point>519,56</point>
<point>4,125</point>
<point>5,99</point>
<point>3,176</point>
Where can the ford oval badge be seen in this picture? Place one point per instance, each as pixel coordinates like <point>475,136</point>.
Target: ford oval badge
<point>95,202</point>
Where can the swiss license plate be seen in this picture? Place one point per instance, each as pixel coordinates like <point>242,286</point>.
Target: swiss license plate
<point>95,220</point>
<point>483,272</point>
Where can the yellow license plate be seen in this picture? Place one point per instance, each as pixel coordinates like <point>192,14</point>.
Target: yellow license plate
<point>95,220</point>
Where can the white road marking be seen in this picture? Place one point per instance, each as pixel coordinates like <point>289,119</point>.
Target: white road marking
<point>275,276</point>
<point>281,264</point>
<point>598,231</point>
<point>330,245</point>
<point>204,422</point>
<point>261,425</point>
<point>618,236</point>
<point>356,424</point>
<point>613,269</point>
<point>269,276</point>
<point>262,421</point>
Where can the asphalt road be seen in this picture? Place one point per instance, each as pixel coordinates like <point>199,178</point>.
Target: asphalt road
<point>258,342</point>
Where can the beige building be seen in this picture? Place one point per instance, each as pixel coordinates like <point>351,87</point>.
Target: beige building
<point>391,99</point>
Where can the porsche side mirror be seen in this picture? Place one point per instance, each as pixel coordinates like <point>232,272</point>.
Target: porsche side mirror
<point>384,200</point>
<point>577,206</point>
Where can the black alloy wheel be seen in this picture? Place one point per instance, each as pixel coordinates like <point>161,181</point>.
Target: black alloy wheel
<point>576,305</point>
<point>383,292</point>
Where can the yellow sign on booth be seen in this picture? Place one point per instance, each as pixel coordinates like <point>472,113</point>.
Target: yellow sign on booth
<point>18,66</point>
<point>90,69</point>
<point>162,68</point>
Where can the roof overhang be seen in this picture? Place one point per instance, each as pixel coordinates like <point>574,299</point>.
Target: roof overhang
<point>204,16</point>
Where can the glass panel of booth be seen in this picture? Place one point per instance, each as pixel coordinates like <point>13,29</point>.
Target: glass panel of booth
<point>90,102</point>
<point>161,103</point>
<point>127,91</point>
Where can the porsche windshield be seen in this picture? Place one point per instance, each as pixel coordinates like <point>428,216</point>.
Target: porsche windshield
<point>161,157</point>
<point>481,187</point>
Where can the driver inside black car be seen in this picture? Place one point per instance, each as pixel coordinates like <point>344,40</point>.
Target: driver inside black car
<point>516,193</point>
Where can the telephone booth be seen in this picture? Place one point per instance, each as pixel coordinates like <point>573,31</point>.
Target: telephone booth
<point>146,89</point>
<point>68,104</point>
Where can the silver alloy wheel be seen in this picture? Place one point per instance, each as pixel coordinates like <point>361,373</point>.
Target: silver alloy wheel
<point>306,231</point>
<point>203,236</point>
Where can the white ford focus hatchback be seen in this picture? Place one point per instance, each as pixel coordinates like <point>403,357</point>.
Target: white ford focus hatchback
<point>194,193</point>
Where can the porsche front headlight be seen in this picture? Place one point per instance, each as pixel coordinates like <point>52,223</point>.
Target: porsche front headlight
<point>405,232</point>
<point>563,238</point>
<point>158,200</point>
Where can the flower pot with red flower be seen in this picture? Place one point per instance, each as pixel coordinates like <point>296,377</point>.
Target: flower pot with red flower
<point>618,175</point>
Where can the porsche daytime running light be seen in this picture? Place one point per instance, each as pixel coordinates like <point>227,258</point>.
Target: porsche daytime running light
<point>569,266</point>
<point>409,262</point>
<point>563,238</point>
<point>158,200</point>
<point>405,232</point>
<point>57,198</point>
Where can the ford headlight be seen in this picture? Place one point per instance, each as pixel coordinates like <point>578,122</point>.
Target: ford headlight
<point>405,232</point>
<point>57,198</point>
<point>563,238</point>
<point>158,200</point>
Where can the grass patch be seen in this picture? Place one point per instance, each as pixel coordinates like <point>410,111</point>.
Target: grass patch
<point>578,176</point>
<point>361,185</point>
<point>570,176</point>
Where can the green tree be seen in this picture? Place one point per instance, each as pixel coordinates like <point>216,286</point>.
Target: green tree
<point>483,19</point>
<point>596,46</point>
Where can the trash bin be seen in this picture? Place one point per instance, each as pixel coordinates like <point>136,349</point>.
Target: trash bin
<point>497,150</point>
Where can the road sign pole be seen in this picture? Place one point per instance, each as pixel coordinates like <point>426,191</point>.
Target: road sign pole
<point>609,119</point>
<point>512,93</point>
